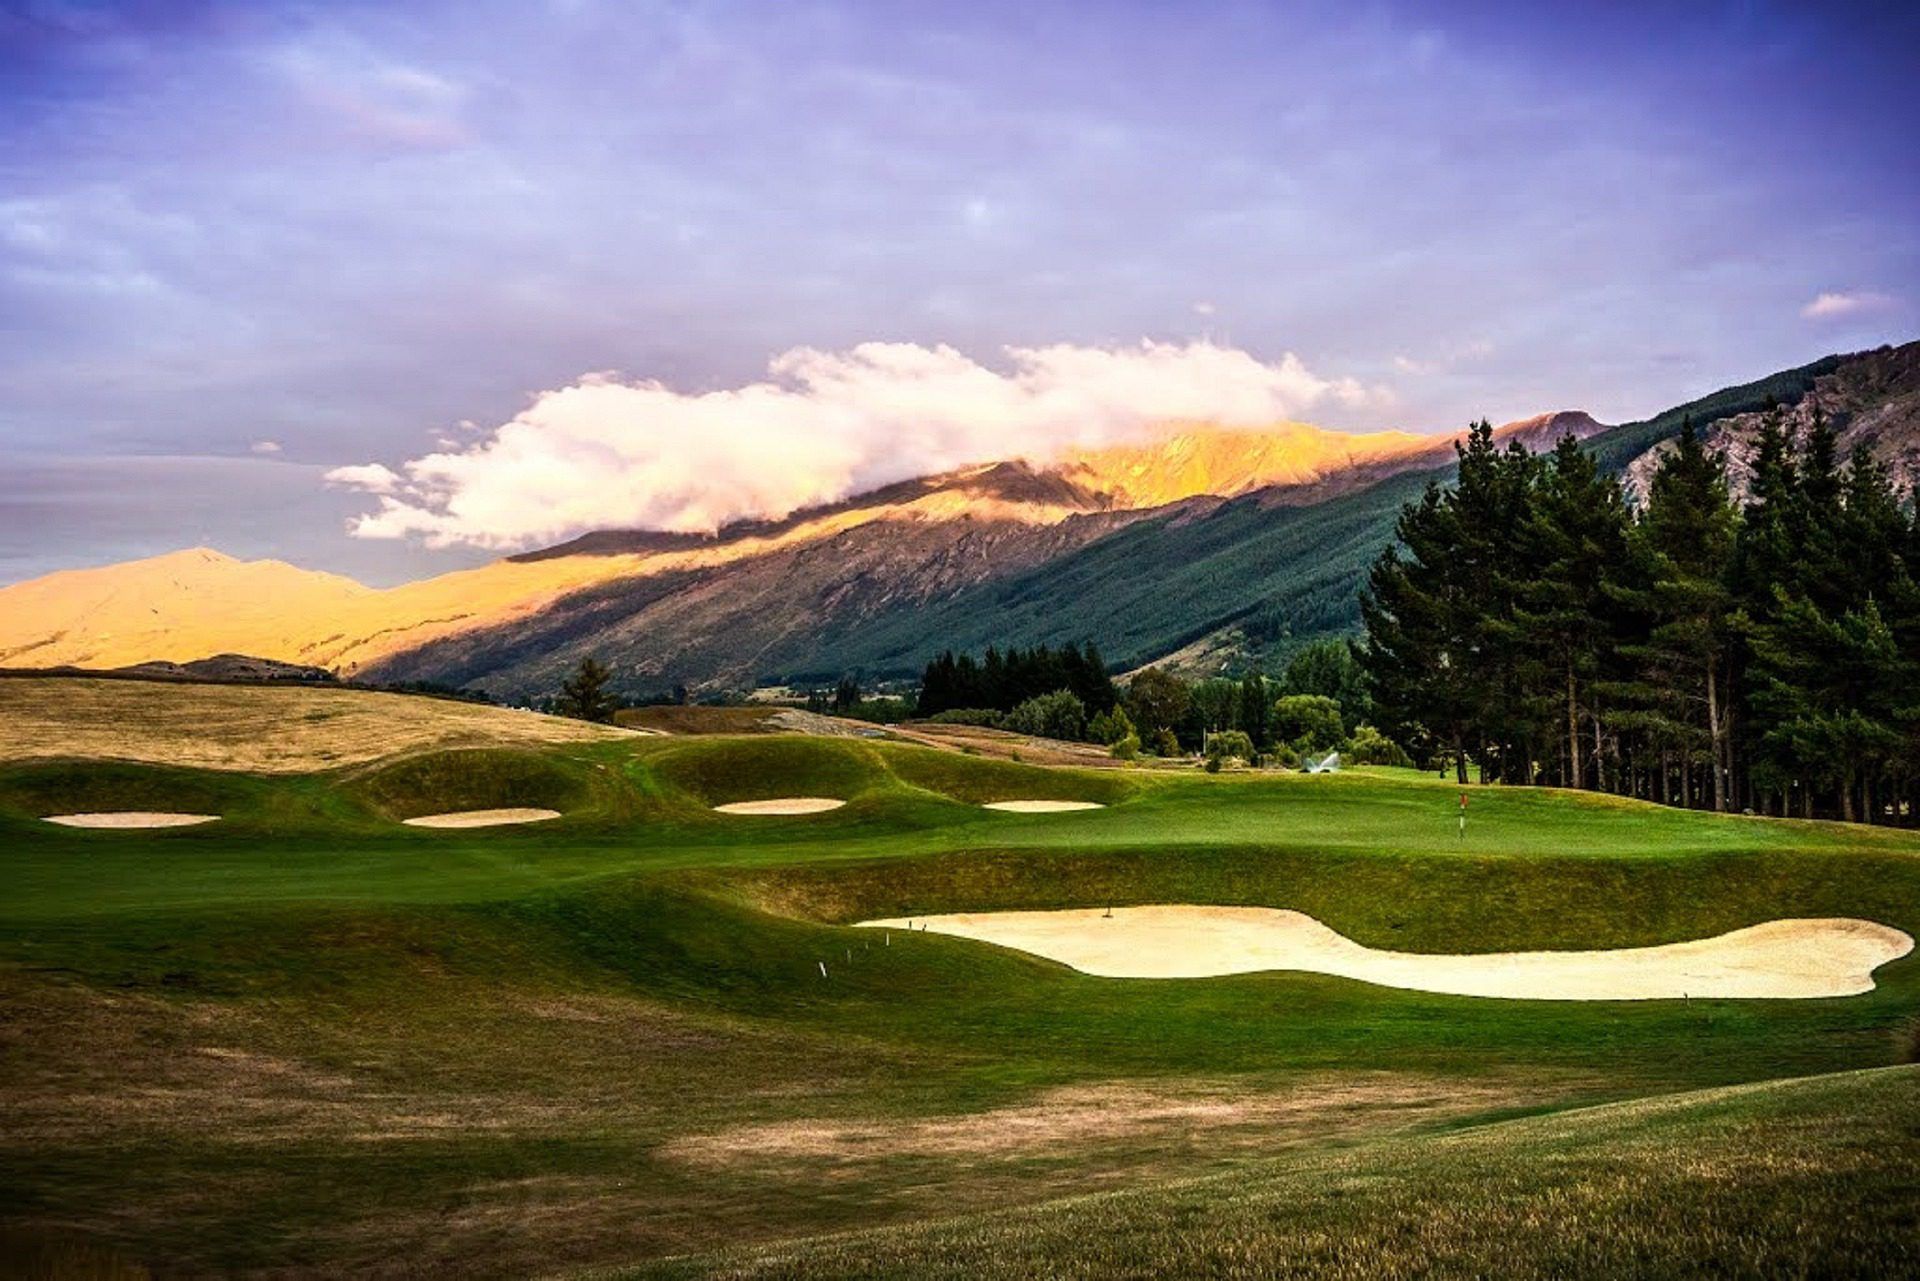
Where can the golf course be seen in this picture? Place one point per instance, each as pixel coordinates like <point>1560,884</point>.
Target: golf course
<point>616,1032</point>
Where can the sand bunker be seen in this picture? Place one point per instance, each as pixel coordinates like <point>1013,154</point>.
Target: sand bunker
<point>1794,958</point>
<point>132,818</point>
<point>482,818</point>
<point>782,805</point>
<point>1041,807</point>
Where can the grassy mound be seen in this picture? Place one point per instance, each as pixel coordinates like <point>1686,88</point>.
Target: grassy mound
<point>76,787</point>
<point>1811,1177</point>
<point>719,771</point>
<point>477,779</point>
<point>975,780</point>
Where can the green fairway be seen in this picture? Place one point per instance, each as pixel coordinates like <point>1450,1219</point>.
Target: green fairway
<point>310,1038</point>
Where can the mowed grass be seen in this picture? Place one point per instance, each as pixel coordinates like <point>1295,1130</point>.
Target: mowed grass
<point>309,1039</point>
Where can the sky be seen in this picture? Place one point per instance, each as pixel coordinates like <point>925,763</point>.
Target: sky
<point>392,288</point>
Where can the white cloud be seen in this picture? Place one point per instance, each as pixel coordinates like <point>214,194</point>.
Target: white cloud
<point>265,447</point>
<point>1830,306</point>
<point>605,453</point>
<point>373,478</point>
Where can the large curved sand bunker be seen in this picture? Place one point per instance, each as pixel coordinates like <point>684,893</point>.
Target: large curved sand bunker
<point>1794,958</point>
<point>782,805</point>
<point>482,818</point>
<point>1041,807</point>
<point>124,819</point>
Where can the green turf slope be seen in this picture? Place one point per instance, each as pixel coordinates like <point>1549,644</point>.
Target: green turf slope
<point>1811,1177</point>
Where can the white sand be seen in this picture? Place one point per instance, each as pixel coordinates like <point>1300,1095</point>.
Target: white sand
<point>482,818</point>
<point>132,818</point>
<point>782,805</point>
<point>1792,958</point>
<point>1041,807</point>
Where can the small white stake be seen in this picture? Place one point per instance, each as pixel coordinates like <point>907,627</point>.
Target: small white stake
<point>823,968</point>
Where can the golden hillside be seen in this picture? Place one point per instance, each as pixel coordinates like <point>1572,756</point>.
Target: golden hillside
<point>1197,459</point>
<point>262,728</point>
<point>192,604</point>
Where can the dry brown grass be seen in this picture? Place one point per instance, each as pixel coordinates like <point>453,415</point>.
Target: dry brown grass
<point>1183,1118</point>
<point>264,729</point>
<point>678,719</point>
<point>1004,745</point>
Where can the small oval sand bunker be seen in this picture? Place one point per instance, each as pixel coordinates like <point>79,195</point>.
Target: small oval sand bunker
<point>482,818</point>
<point>1041,807</point>
<point>1792,958</point>
<point>782,805</point>
<point>122,820</point>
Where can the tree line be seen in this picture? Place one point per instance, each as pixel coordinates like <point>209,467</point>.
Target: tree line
<point>1532,623</point>
<point>1001,681</point>
<point>1318,704</point>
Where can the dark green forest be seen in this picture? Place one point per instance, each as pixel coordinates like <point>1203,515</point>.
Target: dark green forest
<point>1532,625</point>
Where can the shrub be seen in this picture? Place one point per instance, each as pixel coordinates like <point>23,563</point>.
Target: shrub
<point>1310,722</point>
<point>1111,727</point>
<point>1165,744</point>
<point>1213,765</point>
<point>1371,747</point>
<point>1228,745</point>
<point>1126,749</point>
<point>1055,715</point>
<point>1284,756</point>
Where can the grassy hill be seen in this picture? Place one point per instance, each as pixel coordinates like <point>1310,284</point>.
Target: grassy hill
<point>308,1039</point>
<point>273,729</point>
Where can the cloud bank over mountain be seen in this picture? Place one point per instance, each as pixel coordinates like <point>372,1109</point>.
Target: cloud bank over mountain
<point>824,425</point>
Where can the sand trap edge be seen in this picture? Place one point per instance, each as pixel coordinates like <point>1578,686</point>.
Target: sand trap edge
<point>482,818</point>
<point>1042,807</point>
<point>129,820</point>
<point>782,806</point>
<point>1791,958</point>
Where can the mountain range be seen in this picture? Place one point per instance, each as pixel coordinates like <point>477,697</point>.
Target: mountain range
<point>1204,546</point>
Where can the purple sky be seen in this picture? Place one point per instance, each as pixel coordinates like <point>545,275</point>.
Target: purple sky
<point>348,229</point>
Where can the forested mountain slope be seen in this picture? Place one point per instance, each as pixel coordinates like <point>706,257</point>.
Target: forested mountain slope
<point>1204,582</point>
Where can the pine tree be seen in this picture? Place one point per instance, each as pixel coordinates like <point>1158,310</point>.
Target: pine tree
<point>1419,620</point>
<point>1686,539</point>
<point>584,695</point>
<point>1574,542</point>
<point>1256,710</point>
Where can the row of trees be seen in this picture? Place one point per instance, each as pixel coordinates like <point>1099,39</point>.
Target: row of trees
<point>1003,681</point>
<point>1758,655</point>
<point>1318,705</point>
